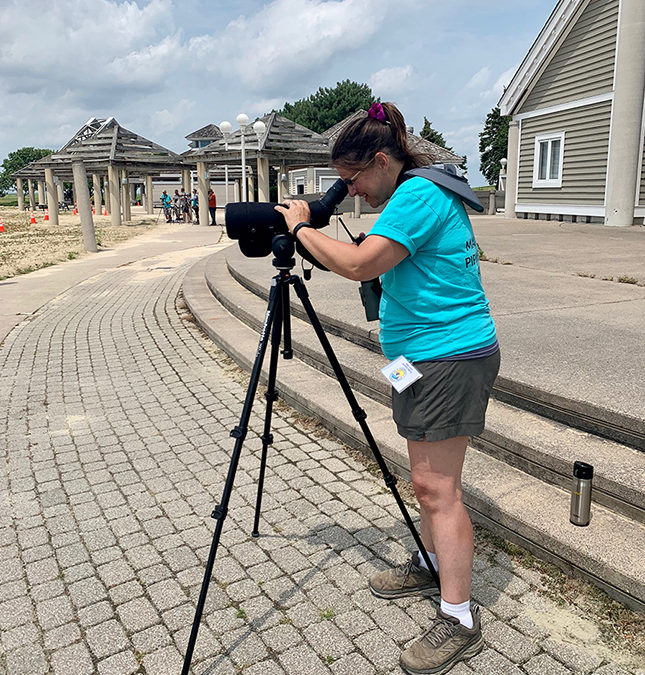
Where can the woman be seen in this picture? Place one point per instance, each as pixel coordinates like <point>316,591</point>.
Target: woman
<point>434,312</point>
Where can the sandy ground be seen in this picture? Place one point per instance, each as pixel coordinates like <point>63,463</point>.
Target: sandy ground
<point>25,247</point>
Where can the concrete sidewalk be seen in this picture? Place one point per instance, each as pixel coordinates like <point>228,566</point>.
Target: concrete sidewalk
<point>22,295</point>
<point>115,414</point>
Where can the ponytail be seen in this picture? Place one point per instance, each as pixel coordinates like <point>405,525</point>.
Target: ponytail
<point>382,129</point>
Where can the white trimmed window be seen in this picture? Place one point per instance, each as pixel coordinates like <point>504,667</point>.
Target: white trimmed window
<point>547,163</point>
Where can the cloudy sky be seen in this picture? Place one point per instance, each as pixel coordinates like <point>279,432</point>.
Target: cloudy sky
<point>165,68</point>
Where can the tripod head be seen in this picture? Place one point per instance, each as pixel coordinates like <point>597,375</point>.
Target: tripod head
<point>283,246</point>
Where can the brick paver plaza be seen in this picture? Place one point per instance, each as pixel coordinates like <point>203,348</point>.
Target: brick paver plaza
<point>115,413</point>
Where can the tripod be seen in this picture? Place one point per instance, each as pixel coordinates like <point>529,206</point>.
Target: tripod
<point>277,322</point>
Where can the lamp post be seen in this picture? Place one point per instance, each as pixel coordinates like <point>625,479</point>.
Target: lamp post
<point>226,127</point>
<point>501,182</point>
<point>259,127</point>
<point>243,121</point>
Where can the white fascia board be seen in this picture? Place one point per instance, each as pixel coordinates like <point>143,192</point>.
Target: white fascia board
<point>561,209</point>
<point>569,105</point>
<point>538,52</point>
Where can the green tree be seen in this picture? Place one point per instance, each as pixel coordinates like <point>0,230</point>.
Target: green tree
<point>431,134</point>
<point>493,145</point>
<point>328,106</point>
<point>15,161</point>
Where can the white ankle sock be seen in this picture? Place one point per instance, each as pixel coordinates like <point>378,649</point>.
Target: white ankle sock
<point>460,611</point>
<point>433,560</point>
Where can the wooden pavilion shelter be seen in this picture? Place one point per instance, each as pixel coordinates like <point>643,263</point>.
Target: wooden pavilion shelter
<point>104,149</point>
<point>283,145</point>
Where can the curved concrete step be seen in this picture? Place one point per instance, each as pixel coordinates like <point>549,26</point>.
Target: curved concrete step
<point>519,506</point>
<point>341,300</point>
<point>541,447</point>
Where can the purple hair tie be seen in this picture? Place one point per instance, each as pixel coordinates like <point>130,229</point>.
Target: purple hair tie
<point>376,111</point>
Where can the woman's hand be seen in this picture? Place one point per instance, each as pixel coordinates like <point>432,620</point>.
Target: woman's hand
<point>294,211</point>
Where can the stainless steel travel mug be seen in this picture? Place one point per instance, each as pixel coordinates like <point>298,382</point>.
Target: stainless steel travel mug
<point>581,494</point>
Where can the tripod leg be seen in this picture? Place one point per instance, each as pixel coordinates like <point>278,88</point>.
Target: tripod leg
<point>239,433</point>
<point>287,352</point>
<point>271,397</point>
<point>360,416</point>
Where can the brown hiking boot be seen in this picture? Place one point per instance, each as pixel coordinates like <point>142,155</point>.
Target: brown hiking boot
<point>404,580</point>
<point>445,643</point>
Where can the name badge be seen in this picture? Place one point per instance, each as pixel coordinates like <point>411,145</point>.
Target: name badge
<point>400,373</point>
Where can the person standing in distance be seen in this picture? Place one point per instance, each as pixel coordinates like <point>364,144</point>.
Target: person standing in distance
<point>212,205</point>
<point>195,205</point>
<point>433,312</point>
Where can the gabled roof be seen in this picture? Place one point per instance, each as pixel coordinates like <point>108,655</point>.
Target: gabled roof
<point>417,143</point>
<point>557,25</point>
<point>209,132</point>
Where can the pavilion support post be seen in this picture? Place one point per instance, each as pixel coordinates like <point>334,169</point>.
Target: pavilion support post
<point>282,184</point>
<point>125,197</point>
<point>21,194</point>
<point>236,191</point>
<point>263,179</point>
<point>250,191</point>
<point>84,206</point>
<point>311,182</point>
<point>203,184</point>
<point>149,196</point>
<point>52,197</point>
<point>133,193</point>
<point>106,185</point>
<point>41,192</point>
<point>32,196</point>
<point>60,191</point>
<point>96,184</point>
<point>187,180</point>
<point>114,201</point>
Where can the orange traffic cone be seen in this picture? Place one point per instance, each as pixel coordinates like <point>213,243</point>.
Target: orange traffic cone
<point>75,211</point>
<point>1,225</point>
<point>105,210</point>
<point>32,220</point>
<point>93,210</point>
<point>138,203</point>
<point>46,214</point>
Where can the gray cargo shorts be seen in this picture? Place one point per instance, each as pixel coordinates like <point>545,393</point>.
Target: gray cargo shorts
<point>450,399</point>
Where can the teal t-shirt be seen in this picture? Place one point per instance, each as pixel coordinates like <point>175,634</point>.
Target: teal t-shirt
<point>433,305</point>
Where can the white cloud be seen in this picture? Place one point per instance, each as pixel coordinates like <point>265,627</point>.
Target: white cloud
<point>479,79</point>
<point>147,66</point>
<point>288,38</point>
<point>172,119</point>
<point>503,81</point>
<point>74,40</point>
<point>391,80</point>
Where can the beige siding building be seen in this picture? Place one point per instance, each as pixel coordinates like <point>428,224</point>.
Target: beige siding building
<point>576,141</point>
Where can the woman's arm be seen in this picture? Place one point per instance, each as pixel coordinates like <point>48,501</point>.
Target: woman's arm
<point>375,256</point>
